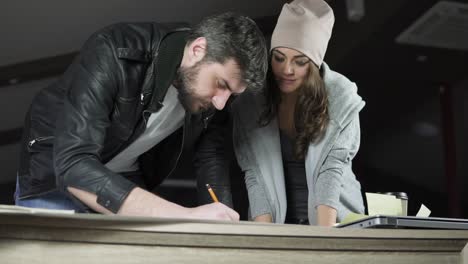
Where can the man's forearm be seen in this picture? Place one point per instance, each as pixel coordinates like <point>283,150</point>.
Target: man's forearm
<point>138,203</point>
<point>143,203</point>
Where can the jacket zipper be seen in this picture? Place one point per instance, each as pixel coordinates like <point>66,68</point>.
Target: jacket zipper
<point>38,139</point>
<point>180,153</point>
<point>205,120</point>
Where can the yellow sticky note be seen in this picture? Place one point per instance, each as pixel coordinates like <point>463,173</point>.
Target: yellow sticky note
<point>383,204</point>
<point>352,217</point>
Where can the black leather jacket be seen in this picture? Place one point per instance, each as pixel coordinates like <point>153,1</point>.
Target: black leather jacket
<point>99,107</point>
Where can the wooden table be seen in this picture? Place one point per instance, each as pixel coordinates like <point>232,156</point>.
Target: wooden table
<point>45,238</point>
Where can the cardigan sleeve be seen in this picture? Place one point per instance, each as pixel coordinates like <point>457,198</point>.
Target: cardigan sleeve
<point>330,180</point>
<point>259,203</point>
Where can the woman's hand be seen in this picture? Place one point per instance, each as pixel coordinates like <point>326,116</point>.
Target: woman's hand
<point>326,215</point>
<point>263,218</point>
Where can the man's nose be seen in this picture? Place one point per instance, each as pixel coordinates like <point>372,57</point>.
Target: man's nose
<point>220,98</point>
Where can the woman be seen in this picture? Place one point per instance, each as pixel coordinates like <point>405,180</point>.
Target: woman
<point>296,142</point>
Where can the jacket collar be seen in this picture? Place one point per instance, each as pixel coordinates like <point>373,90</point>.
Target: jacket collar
<point>165,64</point>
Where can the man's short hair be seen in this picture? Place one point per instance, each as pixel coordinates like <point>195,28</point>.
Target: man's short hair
<point>233,36</point>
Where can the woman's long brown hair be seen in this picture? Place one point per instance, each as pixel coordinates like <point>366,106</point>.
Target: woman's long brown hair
<point>311,110</point>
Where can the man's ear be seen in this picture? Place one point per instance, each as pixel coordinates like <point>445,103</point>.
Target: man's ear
<point>196,50</point>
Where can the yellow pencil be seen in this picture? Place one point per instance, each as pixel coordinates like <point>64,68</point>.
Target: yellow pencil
<point>212,194</point>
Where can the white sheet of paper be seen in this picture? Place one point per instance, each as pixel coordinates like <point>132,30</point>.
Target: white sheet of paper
<point>20,209</point>
<point>423,211</point>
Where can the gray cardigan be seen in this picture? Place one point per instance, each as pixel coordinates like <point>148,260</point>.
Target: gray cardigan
<point>330,179</point>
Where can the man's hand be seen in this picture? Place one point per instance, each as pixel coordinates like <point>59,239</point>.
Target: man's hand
<point>213,211</point>
<point>143,203</point>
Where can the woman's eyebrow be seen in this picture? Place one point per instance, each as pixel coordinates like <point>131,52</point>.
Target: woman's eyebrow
<point>297,56</point>
<point>279,52</point>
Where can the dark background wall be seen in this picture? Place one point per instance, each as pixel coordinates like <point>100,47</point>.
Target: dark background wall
<point>413,126</point>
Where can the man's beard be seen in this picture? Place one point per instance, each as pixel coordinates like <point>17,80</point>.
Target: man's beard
<point>184,80</point>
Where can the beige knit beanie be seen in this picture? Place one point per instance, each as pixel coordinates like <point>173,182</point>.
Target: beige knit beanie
<point>306,26</point>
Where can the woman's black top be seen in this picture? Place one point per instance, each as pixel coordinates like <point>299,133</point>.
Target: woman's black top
<point>296,183</point>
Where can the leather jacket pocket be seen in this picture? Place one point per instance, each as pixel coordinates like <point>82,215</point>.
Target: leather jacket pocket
<point>39,144</point>
<point>36,173</point>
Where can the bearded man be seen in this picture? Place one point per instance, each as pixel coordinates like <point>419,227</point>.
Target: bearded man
<point>135,100</point>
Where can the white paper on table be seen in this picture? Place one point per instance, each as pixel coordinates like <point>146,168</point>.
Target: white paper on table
<point>423,211</point>
<point>20,209</point>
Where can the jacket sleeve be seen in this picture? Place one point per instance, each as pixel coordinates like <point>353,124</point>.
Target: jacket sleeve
<point>91,84</point>
<point>330,179</point>
<point>212,159</point>
<point>259,202</point>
